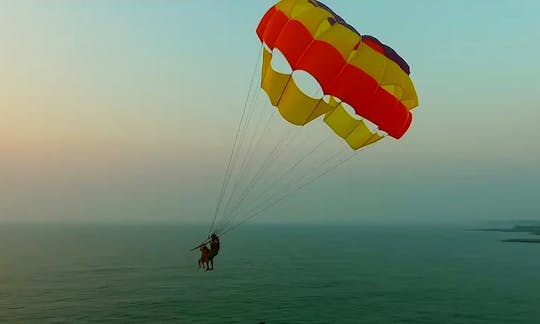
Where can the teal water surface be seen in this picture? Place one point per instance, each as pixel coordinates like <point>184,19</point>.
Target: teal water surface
<point>274,274</point>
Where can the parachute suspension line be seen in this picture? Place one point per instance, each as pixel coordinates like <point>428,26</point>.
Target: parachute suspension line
<point>242,146</point>
<point>342,158</point>
<point>270,158</point>
<point>229,216</point>
<point>239,193</point>
<point>247,190</point>
<point>256,212</point>
<point>234,147</point>
<point>301,144</point>
<point>252,148</point>
<point>341,161</point>
<point>335,156</point>
<point>249,153</point>
<point>326,167</point>
<point>279,196</point>
<point>264,169</point>
<point>252,136</point>
<point>279,178</point>
<point>247,124</point>
<point>242,193</point>
<point>297,147</point>
<point>316,93</point>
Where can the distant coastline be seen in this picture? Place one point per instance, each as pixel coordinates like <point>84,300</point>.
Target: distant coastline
<point>523,240</point>
<point>533,229</point>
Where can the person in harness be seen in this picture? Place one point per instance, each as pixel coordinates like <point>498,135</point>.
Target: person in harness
<point>203,260</point>
<point>214,250</point>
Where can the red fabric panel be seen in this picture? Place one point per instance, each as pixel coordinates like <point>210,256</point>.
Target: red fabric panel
<point>406,126</point>
<point>264,22</point>
<point>274,28</point>
<point>358,90</point>
<point>394,114</point>
<point>323,62</point>
<point>293,42</point>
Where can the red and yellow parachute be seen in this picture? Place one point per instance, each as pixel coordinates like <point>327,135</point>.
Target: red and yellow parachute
<point>358,69</point>
<point>363,81</point>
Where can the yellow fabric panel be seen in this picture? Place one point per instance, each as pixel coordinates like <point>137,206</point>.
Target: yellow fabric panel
<point>301,8</point>
<point>410,98</point>
<point>386,73</point>
<point>296,107</point>
<point>342,38</point>
<point>287,5</point>
<point>411,103</point>
<point>353,131</point>
<point>340,121</point>
<point>321,108</point>
<point>369,61</point>
<point>395,77</point>
<point>267,58</point>
<point>272,82</point>
<point>361,136</point>
<point>324,26</point>
<point>373,139</point>
<point>332,101</point>
<point>312,17</point>
<point>395,90</point>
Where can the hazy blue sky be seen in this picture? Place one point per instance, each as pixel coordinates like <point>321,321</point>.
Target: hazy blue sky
<point>116,110</point>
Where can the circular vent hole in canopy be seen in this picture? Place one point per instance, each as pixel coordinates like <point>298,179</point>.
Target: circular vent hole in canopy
<point>307,83</point>
<point>351,111</point>
<point>279,63</point>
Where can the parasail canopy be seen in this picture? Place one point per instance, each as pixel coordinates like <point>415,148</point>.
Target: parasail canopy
<point>353,69</point>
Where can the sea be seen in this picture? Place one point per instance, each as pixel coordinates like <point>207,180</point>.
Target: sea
<point>145,273</point>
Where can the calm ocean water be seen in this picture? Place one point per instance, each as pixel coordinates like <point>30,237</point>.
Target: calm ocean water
<point>272,274</point>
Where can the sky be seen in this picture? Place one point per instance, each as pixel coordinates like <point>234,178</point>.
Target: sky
<point>127,110</point>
